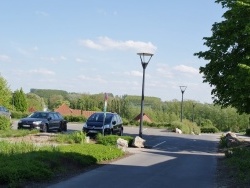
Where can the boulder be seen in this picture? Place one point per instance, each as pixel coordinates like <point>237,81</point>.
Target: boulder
<point>122,144</point>
<point>178,131</point>
<point>138,142</point>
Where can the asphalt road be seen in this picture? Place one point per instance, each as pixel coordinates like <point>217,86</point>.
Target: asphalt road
<point>170,160</point>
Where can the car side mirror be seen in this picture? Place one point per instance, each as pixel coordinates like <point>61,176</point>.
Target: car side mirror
<point>49,118</point>
<point>113,122</point>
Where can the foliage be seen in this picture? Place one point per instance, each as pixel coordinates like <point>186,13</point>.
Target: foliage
<point>16,133</point>
<point>248,132</point>
<point>209,130</point>
<point>110,140</point>
<point>77,137</point>
<point>71,118</point>
<point>21,162</point>
<point>20,100</point>
<point>19,115</point>
<point>5,123</point>
<point>228,56</point>
<point>238,161</point>
<point>5,93</point>
<point>186,127</point>
<point>163,114</point>
<point>35,102</point>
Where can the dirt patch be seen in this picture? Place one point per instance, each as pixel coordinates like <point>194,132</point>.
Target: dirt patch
<point>37,139</point>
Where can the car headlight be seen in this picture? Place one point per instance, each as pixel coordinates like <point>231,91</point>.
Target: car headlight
<point>37,122</point>
<point>20,121</point>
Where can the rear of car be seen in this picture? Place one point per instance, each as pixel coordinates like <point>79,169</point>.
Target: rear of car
<point>5,112</point>
<point>104,123</point>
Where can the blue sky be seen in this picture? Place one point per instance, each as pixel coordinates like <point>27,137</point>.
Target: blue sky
<point>91,46</point>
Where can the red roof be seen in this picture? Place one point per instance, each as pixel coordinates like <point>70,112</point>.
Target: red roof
<point>144,118</point>
<point>65,110</point>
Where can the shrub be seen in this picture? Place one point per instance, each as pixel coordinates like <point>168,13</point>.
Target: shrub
<point>19,115</point>
<point>75,137</point>
<point>4,123</point>
<point>248,132</point>
<point>75,118</point>
<point>187,127</point>
<point>209,130</point>
<point>110,140</point>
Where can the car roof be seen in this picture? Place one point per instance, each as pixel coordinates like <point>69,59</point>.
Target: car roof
<point>106,113</point>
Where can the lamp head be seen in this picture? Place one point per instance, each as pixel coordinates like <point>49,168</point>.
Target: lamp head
<point>145,58</point>
<point>183,88</point>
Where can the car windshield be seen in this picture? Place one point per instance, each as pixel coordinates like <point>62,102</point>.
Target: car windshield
<point>98,117</point>
<point>39,115</point>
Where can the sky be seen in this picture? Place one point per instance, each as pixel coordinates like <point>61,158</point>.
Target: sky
<point>91,46</point>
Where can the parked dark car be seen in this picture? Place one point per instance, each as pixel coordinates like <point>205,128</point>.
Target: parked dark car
<point>108,123</point>
<point>5,112</point>
<point>44,121</point>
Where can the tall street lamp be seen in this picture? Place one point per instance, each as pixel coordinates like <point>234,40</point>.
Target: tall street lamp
<point>145,58</point>
<point>183,88</point>
<point>193,113</point>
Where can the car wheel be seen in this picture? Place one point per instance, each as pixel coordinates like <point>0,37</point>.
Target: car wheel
<point>121,132</point>
<point>111,131</point>
<point>60,128</point>
<point>45,128</point>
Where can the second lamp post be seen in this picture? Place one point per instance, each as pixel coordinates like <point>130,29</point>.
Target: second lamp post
<point>183,88</point>
<point>145,58</point>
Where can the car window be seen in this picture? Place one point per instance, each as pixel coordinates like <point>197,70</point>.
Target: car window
<point>59,115</point>
<point>99,117</point>
<point>56,116</point>
<point>115,119</point>
<point>39,115</point>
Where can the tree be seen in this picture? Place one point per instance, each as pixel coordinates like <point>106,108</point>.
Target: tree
<point>35,102</point>
<point>229,57</point>
<point>20,100</point>
<point>5,93</point>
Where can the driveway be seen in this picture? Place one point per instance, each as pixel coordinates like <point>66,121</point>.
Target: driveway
<point>172,160</point>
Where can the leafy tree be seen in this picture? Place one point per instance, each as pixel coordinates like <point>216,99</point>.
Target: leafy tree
<point>5,93</point>
<point>20,100</point>
<point>229,56</point>
<point>35,102</point>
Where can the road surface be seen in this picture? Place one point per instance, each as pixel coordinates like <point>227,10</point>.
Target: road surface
<point>171,160</point>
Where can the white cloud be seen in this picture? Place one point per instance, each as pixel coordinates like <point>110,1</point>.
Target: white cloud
<point>96,78</point>
<point>41,71</point>
<point>165,71</point>
<point>54,59</point>
<point>186,69</point>
<point>4,58</point>
<point>79,60</point>
<point>105,43</point>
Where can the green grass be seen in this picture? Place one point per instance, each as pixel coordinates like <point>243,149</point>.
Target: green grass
<point>23,163</point>
<point>16,133</point>
<point>238,163</point>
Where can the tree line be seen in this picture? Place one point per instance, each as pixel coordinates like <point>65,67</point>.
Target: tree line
<point>128,106</point>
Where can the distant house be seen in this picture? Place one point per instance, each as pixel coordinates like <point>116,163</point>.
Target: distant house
<point>65,110</point>
<point>144,118</point>
<point>31,109</point>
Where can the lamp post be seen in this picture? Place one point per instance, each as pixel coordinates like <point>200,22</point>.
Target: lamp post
<point>183,88</point>
<point>193,113</point>
<point>145,58</point>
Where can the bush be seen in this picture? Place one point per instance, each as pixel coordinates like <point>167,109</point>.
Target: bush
<point>75,137</point>
<point>248,132</point>
<point>19,115</point>
<point>110,140</point>
<point>5,123</point>
<point>209,130</point>
<point>75,118</point>
<point>187,127</point>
